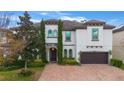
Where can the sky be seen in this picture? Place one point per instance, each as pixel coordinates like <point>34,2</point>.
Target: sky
<point>115,18</point>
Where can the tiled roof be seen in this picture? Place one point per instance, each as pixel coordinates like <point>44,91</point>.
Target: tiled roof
<point>107,26</point>
<point>68,25</point>
<point>51,21</point>
<point>94,22</point>
<point>72,25</point>
<point>118,29</point>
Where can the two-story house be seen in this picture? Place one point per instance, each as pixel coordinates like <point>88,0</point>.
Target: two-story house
<point>88,43</point>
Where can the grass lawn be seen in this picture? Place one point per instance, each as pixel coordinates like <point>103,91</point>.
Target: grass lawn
<point>13,75</point>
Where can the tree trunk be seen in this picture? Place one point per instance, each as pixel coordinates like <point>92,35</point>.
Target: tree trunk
<point>25,65</point>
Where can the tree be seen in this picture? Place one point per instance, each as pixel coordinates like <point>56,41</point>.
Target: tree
<point>42,40</point>
<point>60,44</point>
<point>27,34</point>
<point>25,26</point>
<point>5,19</point>
<point>4,24</point>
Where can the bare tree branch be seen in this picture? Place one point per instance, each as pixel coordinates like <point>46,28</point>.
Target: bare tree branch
<point>5,18</point>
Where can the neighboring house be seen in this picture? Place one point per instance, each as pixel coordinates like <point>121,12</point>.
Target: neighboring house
<point>4,42</point>
<point>118,43</point>
<point>2,36</point>
<point>88,43</point>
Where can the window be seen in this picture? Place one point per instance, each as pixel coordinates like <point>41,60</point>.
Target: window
<point>55,33</point>
<point>49,33</point>
<point>70,53</point>
<point>52,33</point>
<point>65,53</point>
<point>95,34</point>
<point>68,36</point>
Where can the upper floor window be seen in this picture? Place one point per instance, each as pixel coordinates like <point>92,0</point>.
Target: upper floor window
<point>95,34</point>
<point>55,33</point>
<point>50,33</point>
<point>68,36</point>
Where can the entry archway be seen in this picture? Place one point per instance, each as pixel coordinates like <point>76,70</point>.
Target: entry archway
<point>53,54</point>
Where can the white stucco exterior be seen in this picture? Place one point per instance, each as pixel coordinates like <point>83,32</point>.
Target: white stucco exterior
<point>50,27</point>
<point>53,41</point>
<point>73,40</point>
<point>81,41</point>
<point>84,39</point>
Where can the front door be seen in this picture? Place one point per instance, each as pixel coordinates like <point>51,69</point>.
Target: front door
<point>53,54</point>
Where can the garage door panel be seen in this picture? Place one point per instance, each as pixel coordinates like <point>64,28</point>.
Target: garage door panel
<point>94,57</point>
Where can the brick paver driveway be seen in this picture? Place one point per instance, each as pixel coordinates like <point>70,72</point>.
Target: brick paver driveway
<point>83,72</point>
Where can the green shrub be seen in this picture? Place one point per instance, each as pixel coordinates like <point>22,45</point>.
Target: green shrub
<point>8,62</point>
<point>12,61</point>
<point>18,63</point>
<point>1,60</point>
<point>36,63</point>
<point>24,72</point>
<point>69,61</point>
<point>10,68</point>
<point>116,62</point>
<point>122,66</point>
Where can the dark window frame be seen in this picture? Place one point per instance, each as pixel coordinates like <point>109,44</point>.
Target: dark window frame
<point>49,31</point>
<point>65,53</point>
<point>70,53</point>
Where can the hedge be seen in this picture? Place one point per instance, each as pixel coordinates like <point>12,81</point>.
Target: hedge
<point>116,62</point>
<point>69,61</point>
<point>122,66</point>
<point>36,63</point>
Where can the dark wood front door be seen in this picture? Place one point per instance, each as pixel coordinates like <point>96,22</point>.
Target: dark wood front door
<point>53,54</point>
<point>94,57</point>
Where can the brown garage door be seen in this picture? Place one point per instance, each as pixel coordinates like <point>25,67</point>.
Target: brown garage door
<point>94,57</point>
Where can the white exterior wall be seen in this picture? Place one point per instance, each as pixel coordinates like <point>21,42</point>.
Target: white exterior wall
<point>50,27</point>
<point>107,40</point>
<point>80,39</point>
<point>72,42</point>
<point>66,45</point>
<point>84,39</point>
<point>89,36</point>
<point>69,45</point>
